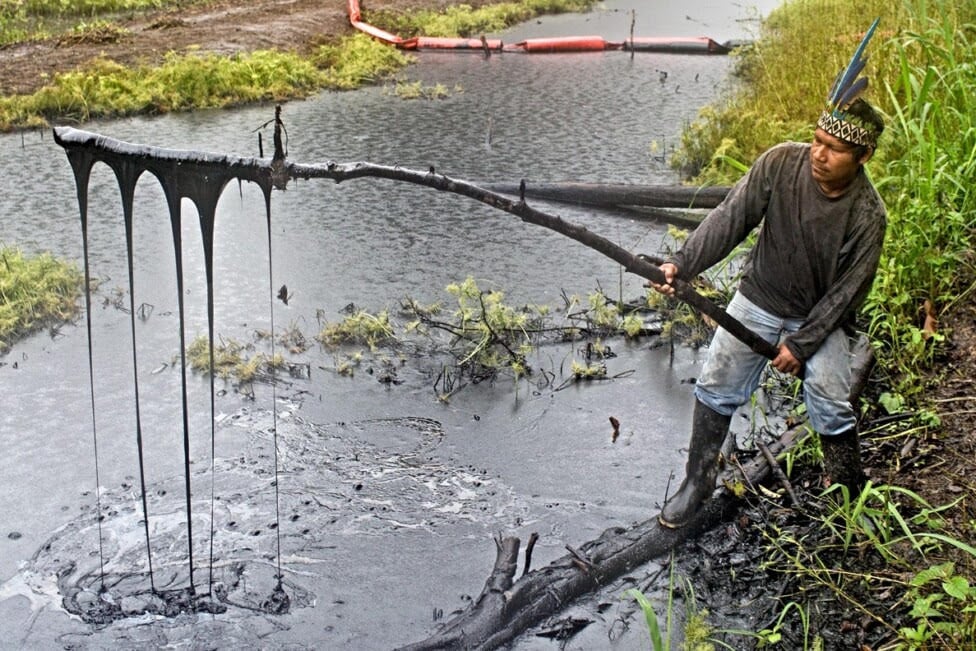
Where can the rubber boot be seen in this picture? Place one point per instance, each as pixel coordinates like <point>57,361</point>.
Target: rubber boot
<point>842,460</point>
<point>708,432</point>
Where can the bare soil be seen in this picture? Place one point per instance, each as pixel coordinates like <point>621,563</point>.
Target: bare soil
<point>223,26</point>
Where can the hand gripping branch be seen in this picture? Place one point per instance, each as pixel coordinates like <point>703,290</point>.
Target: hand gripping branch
<point>277,172</point>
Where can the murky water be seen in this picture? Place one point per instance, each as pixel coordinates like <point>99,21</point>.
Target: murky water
<point>389,497</point>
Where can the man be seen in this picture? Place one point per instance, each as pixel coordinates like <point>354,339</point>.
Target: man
<point>812,266</point>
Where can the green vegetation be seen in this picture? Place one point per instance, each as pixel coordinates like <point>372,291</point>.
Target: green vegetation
<point>192,80</point>
<point>35,292</point>
<point>182,82</point>
<point>480,339</point>
<point>486,334</point>
<point>232,359</point>
<point>361,327</point>
<point>936,605</point>
<point>31,20</point>
<point>357,60</point>
<point>461,20</point>
<point>697,632</point>
<point>416,90</point>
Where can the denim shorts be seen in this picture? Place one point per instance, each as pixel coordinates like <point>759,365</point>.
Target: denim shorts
<point>732,371</point>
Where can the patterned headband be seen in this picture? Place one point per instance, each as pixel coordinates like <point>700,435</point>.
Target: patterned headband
<point>835,119</point>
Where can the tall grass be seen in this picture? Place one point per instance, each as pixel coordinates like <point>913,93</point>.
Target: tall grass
<point>28,20</point>
<point>926,180</point>
<point>922,68</point>
<point>35,292</point>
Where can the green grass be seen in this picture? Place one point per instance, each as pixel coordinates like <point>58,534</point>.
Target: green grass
<point>31,20</point>
<point>35,292</point>
<point>461,20</point>
<point>195,80</point>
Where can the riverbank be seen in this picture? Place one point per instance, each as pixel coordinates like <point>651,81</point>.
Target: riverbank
<point>881,569</point>
<point>214,54</point>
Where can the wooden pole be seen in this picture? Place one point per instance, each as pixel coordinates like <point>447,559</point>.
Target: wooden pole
<point>278,172</point>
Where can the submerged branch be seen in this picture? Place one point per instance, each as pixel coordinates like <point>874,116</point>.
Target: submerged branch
<point>632,263</point>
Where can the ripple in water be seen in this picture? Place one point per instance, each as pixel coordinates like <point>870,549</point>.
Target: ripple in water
<point>364,478</point>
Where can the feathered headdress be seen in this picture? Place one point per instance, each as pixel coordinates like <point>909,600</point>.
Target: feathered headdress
<point>835,119</point>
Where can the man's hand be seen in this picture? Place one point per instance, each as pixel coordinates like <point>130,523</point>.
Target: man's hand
<point>785,362</point>
<point>670,273</point>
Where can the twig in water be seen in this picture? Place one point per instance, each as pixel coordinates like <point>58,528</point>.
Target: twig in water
<point>780,475</point>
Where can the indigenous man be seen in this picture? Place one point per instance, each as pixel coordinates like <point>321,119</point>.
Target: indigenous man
<point>813,264</point>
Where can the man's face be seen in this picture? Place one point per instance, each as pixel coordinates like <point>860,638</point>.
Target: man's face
<point>833,161</point>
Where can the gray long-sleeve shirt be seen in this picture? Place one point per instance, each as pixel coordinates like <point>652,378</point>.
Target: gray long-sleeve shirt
<point>815,256</point>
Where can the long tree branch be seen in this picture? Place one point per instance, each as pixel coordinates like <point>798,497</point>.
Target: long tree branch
<point>278,172</point>
<point>339,172</point>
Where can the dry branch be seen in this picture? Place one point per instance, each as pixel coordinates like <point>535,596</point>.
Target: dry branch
<point>278,172</point>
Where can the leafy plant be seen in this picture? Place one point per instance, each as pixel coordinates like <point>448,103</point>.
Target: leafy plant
<point>697,631</point>
<point>360,327</point>
<point>943,609</point>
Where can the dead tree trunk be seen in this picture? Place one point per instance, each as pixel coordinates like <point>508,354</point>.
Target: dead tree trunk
<point>505,608</point>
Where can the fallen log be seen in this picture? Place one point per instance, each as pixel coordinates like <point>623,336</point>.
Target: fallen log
<point>689,219</point>
<point>506,608</point>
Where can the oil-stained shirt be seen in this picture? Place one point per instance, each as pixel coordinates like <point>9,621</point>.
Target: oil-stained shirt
<point>815,256</point>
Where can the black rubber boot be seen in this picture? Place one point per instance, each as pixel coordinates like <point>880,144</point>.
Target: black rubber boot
<point>842,460</point>
<point>708,432</point>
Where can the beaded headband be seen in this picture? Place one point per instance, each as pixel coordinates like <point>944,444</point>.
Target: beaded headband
<point>835,119</point>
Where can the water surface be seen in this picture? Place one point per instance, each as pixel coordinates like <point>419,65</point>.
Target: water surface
<point>414,539</point>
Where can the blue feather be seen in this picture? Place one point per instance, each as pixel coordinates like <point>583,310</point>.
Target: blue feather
<point>843,91</point>
<point>852,93</point>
